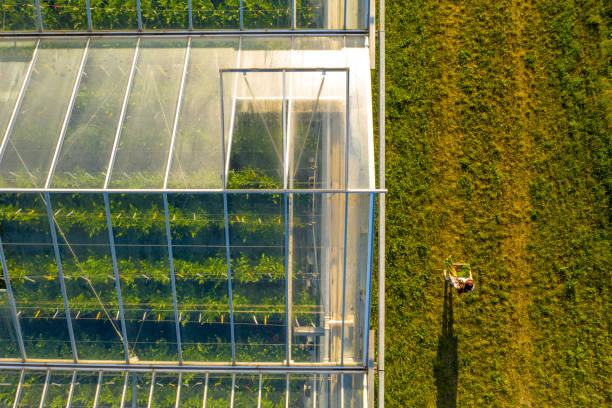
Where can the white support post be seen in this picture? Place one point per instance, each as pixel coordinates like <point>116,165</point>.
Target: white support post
<point>98,387</point>
<point>381,208</point>
<point>259,390</point>
<point>19,389</point>
<point>233,394</point>
<point>346,208</point>
<point>71,392</point>
<point>43,397</point>
<point>205,391</point>
<point>178,391</point>
<point>151,390</point>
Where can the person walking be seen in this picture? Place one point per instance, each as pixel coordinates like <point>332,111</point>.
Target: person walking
<point>463,284</point>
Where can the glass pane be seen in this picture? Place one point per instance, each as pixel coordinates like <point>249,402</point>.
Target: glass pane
<point>145,139</point>
<point>64,15</point>
<point>301,391</point>
<point>33,273</point>
<point>58,389</point>
<point>159,15</point>
<point>87,146</point>
<point>138,390</point>
<point>114,14</point>
<point>18,15</point>
<point>142,255</point>
<point>33,385</point>
<point>8,339</point>
<point>215,13</point>
<point>198,244</point>
<point>31,144</point>
<point>267,13</point>
<point>164,394</point>
<point>255,135</point>
<point>84,389</point>
<point>356,271</point>
<point>329,14</point>
<point>274,391</point>
<point>192,390</point>
<point>257,233</point>
<point>219,391</point>
<point>197,155</point>
<point>8,386</point>
<point>111,390</point>
<point>82,236</point>
<point>246,391</point>
<point>15,57</point>
<point>317,136</point>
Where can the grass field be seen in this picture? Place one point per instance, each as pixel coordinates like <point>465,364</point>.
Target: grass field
<point>498,152</point>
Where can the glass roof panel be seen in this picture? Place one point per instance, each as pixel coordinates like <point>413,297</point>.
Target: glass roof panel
<point>197,154</point>
<point>146,134</point>
<point>15,57</point>
<point>87,146</point>
<point>27,155</point>
<point>168,134</point>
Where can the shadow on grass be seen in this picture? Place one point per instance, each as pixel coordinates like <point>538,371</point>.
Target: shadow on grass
<point>446,367</point>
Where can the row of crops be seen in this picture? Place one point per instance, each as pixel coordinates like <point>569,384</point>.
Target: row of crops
<point>20,15</point>
<point>197,227</point>
<point>190,389</point>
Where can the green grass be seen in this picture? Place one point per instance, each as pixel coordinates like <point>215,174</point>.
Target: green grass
<point>498,152</point>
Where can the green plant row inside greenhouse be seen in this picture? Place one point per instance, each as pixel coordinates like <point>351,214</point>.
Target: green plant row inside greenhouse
<point>99,15</point>
<point>186,200</point>
<point>33,388</point>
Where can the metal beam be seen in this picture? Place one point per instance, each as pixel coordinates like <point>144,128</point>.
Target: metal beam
<point>24,84</point>
<point>45,390</point>
<point>60,272</point>
<point>173,280</point>
<point>233,394</point>
<point>151,390</point>
<point>64,127</point>
<point>286,69</point>
<point>139,13</point>
<point>169,367</point>
<point>287,391</point>
<point>38,16</point>
<point>111,241</point>
<point>178,391</point>
<point>368,297</point>
<point>259,391</point>
<point>97,395</point>
<point>128,88</point>
<point>282,32</point>
<point>177,113</point>
<point>381,206</point>
<point>346,207</point>
<point>286,213</point>
<point>124,390</point>
<point>226,222</point>
<point>194,191</point>
<point>241,15</point>
<point>19,389</point>
<point>205,391</point>
<point>12,305</point>
<point>89,23</point>
<point>190,14</point>
<point>71,392</point>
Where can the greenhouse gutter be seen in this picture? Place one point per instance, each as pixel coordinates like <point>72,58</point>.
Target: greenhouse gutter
<point>194,191</point>
<point>185,368</point>
<point>233,33</point>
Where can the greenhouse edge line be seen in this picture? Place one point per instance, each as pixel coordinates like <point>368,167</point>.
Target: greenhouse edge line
<point>284,191</point>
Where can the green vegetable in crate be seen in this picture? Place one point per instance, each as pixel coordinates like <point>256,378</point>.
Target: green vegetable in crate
<point>459,275</point>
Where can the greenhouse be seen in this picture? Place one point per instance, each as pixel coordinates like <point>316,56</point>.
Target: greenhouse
<point>186,218</point>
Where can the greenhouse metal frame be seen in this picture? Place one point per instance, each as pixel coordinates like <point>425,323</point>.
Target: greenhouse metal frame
<point>342,380</point>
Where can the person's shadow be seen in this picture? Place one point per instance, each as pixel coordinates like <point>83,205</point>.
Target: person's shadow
<point>446,367</point>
